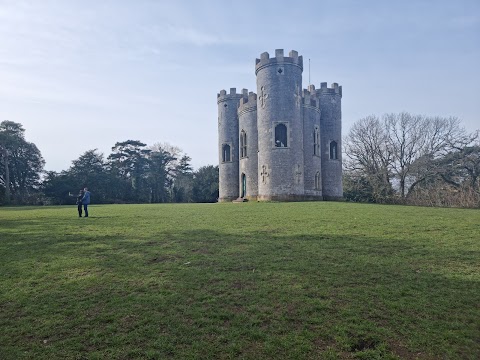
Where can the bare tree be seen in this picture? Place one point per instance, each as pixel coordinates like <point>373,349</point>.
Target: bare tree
<point>403,150</point>
<point>406,138</point>
<point>443,136</point>
<point>369,154</point>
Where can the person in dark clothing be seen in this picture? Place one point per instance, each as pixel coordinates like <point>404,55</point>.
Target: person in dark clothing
<point>86,201</point>
<point>79,202</point>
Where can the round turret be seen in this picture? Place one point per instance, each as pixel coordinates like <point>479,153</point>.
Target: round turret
<point>248,143</point>
<point>311,150</point>
<point>228,150</point>
<point>331,140</point>
<point>280,126</point>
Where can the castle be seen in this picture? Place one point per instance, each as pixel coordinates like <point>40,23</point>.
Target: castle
<point>282,143</point>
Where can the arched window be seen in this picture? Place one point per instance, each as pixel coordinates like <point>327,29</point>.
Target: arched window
<point>316,141</point>
<point>226,153</point>
<point>243,144</point>
<point>281,135</point>
<point>333,150</point>
<point>317,181</point>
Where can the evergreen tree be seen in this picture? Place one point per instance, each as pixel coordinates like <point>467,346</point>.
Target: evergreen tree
<point>129,162</point>
<point>205,184</point>
<point>20,166</point>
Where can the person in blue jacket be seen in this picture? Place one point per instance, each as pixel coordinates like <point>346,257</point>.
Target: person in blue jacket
<point>79,202</point>
<point>86,201</point>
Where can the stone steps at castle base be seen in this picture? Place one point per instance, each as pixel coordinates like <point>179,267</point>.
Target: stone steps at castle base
<point>240,200</point>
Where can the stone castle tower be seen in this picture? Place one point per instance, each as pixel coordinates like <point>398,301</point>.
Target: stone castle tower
<point>282,143</point>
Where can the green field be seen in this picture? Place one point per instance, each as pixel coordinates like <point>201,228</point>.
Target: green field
<point>240,281</point>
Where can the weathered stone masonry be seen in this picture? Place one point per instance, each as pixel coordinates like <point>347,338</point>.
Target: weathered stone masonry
<point>282,143</point>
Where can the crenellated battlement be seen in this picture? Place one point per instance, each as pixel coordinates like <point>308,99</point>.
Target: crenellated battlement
<point>247,104</point>
<point>334,89</point>
<point>291,59</point>
<point>250,98</point>
<point>309,97</point>
<point>232,95</point>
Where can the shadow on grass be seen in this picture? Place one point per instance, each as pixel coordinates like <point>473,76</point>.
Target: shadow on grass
<point>254,295</point>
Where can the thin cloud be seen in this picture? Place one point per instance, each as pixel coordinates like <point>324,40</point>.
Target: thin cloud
<point>179,34</point>
<point>465,22</point>
<point>192,36</point>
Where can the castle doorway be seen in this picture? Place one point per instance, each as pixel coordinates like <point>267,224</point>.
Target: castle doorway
<point>244,185</point>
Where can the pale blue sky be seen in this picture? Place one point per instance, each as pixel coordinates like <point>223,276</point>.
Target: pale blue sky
<point>85,74</point>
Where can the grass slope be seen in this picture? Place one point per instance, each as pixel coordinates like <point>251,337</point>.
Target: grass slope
<point>250,281</point>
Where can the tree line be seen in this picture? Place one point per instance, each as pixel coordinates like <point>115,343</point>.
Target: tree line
<point>132,173</point>
<point>412,159</point>
<point>392,159</point>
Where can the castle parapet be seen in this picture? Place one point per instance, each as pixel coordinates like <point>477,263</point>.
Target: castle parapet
<point>334,89</point>
<point>310,99</point>
<point>251,97</point>
<point>248,104</point>
<point>265,60</point>
<point>223,96</point>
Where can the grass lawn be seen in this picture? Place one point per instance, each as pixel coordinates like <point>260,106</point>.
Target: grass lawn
<point>240,281</point>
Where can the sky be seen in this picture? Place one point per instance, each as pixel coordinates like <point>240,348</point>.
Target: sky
<point>85,74</point>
